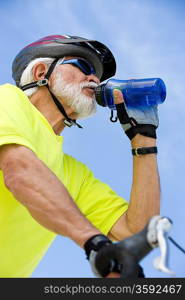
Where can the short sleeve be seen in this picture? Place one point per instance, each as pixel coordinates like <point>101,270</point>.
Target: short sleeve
<point>96,200</point>
<point>100,204</point>
<point>15,119</point>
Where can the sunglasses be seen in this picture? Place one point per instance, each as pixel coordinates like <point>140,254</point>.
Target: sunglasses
<point>81,64</point>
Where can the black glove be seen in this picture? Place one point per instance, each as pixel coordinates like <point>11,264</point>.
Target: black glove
<point>106,257</point>
<point>138,120</point>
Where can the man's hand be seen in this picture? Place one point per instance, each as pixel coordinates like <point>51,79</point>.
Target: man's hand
<point>142,120</point>
<point>118,259</point>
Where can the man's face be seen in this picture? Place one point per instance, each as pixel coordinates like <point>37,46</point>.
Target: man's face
<point>75,88</point>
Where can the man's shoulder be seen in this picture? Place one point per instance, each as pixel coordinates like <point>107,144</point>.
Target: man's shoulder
<point>9,87</point>
<point>14,100</point>
<point>15,107</point>
<point>11,93</point>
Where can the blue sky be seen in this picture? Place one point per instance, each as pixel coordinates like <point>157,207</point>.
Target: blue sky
<point>147,39</point>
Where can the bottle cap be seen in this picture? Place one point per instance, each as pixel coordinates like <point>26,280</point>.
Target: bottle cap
<point>99,94</point>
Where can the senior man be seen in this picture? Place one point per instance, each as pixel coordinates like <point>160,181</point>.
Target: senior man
<point>44,191</point>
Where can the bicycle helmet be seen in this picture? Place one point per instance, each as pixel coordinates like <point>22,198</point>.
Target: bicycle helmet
<point>58,46</point>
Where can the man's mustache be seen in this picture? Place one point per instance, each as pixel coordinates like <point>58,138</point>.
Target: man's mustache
<point>92,85</point>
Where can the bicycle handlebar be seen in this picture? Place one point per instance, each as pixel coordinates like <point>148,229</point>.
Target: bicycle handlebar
<point>155,234</point>
<point>126,254</point>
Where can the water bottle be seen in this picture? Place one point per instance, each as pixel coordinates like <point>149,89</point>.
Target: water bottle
<point>136,92</point>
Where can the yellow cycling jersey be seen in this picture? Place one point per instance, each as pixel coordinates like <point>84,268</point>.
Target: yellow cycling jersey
<point>23,241</point>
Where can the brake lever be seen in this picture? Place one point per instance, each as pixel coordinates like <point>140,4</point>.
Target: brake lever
<point>158,237</point>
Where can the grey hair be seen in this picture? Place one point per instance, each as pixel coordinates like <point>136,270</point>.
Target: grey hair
<point>27,75</point>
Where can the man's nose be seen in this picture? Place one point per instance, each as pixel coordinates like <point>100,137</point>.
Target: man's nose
<point>93,78</point>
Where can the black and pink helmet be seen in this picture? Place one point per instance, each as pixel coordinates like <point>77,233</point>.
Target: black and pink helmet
<point>58,46</point>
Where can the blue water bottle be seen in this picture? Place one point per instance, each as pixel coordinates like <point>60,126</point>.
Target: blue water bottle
<point>136,92</point>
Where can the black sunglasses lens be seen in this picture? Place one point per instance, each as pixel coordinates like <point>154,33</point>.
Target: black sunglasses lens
<point>86,67</point>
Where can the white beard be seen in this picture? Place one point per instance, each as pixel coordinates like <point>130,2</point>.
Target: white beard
<point>72,96</point>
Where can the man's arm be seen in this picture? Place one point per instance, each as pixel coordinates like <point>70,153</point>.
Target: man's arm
<point>145,191</point>
<point>35,186</point>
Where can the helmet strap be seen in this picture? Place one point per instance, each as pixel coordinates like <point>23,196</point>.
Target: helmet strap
<point>44,82</point>
<point>51,68</point>
<point>68,121</point>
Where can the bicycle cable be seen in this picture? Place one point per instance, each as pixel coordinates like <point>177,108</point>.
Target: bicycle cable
<point>176,244</point>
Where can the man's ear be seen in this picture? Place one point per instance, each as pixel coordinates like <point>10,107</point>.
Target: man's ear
<point>39,71</point>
